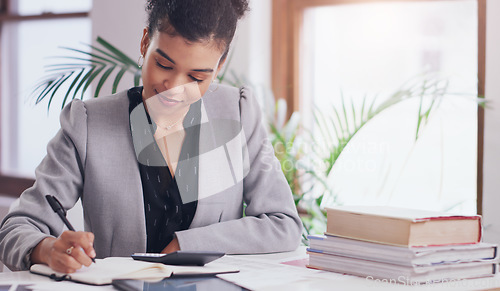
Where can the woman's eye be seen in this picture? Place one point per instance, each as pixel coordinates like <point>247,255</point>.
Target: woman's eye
<point>194,79</point>
<point>162,66</point>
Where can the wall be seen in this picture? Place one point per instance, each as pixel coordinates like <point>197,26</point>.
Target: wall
<point>252,45</point>
<point>491,182</point>
<point>122,25</point>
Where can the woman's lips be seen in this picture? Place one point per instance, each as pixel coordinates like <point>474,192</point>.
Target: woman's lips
<point>166,100</point>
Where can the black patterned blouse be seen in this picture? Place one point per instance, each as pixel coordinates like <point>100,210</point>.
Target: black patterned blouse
<point>163,206</point>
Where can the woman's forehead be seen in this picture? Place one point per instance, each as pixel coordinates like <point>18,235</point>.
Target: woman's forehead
<point>178,44</point>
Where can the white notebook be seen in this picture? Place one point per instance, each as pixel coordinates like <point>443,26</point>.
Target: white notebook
<point>105,270</point>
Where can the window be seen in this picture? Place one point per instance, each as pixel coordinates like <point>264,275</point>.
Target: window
<point>371,49</point>
<point>31,31</point>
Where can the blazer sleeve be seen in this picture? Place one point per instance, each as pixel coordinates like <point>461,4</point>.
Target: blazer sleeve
<point>271,223</point>
<point>60,174</point>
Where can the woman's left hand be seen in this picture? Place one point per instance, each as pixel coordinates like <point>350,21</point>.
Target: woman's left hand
<point>173,246</point>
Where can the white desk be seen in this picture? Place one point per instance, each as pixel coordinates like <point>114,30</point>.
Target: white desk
<point>265,272</point>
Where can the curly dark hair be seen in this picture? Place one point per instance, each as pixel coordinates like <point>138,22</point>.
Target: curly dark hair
<point>197,20</point>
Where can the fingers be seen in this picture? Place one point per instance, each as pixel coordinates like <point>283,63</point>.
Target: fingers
<point>72,250</point>
<point>81,257</point>
<point>80,239</point>
<point>88,244</point>
<point>64,263</point>
<point>173,246</point>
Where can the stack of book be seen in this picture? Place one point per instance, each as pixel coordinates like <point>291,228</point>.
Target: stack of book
<point>402,245</point>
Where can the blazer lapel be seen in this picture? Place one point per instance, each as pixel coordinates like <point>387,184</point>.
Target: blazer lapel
<point>223,163</point>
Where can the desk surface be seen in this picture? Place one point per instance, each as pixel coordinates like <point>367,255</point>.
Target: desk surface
<point>267,272</point>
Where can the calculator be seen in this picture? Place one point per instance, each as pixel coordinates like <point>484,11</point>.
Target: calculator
<point>186,258</point>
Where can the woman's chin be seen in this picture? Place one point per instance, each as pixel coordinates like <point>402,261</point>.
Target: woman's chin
<point>159,111</point>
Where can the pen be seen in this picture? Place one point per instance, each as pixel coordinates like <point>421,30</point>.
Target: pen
<point>57,207</point>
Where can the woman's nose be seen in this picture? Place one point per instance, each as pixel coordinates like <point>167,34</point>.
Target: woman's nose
<point>175,85</point>
<point>175,90</point>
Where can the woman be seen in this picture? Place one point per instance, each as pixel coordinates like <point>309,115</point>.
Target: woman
<point>157,168</point>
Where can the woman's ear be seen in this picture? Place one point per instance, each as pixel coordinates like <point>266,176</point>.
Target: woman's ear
<point>219,67</point>
<point>145,41</point>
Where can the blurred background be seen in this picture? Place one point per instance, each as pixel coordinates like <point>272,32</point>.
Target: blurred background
<point>378,99</point>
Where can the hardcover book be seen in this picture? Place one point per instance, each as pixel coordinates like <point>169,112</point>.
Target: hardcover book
<point>403,227</point>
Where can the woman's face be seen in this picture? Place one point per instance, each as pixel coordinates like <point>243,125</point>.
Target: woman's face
<point>175,71</point>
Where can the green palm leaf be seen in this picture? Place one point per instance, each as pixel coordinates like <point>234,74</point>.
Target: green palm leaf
<point>360,116</point>
<point>118,79</point>
<point>82,82</point>
<point>90,79</point>
<point>103,79</point>
<point>84,69</point>
<point>57,87</point>
<point>71,86</point>
<point>118,53</point>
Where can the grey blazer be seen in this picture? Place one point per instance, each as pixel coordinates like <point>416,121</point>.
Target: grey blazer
<point>92,158</point>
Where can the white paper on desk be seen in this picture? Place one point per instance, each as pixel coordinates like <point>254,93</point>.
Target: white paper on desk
<point>256,275</point>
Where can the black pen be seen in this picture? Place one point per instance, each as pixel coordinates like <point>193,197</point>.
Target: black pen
<point>57,207</point>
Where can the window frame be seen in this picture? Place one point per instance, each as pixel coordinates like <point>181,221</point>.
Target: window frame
<point>287,23</point>
<point>13,186</point>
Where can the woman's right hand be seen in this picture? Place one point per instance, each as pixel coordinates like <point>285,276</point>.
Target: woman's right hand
<point>66,253</point>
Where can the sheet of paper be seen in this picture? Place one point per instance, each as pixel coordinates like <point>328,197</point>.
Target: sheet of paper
<point>255,274</point>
